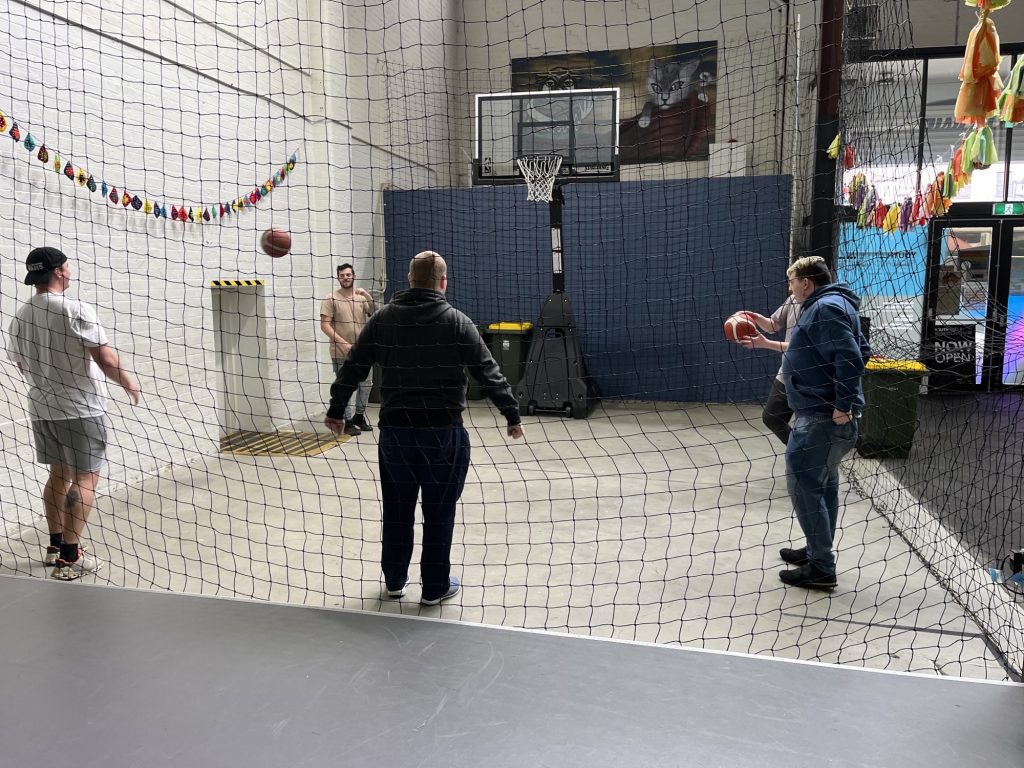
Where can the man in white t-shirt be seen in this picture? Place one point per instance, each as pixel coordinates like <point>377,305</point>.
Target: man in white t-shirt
<point>60,347</point>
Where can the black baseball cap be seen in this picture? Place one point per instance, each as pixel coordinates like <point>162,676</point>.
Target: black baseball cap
<point>40,264</point>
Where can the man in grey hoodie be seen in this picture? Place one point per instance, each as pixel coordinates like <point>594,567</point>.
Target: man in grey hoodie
<point>822,371</point>
<point>423,346</point>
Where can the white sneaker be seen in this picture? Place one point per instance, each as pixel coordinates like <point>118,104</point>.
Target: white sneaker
<point>53,554</point>
<point>85,564</point>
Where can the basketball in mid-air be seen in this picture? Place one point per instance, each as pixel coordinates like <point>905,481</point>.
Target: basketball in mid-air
<point>276,242</point>
<point>739,326</point>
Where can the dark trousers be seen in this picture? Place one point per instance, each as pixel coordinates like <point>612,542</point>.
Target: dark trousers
<point>434,462</point>
<point>777,413</point>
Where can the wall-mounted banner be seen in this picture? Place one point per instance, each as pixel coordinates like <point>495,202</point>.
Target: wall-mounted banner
<point>198,213</point>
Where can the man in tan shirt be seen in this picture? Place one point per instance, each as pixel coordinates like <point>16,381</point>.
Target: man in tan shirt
<point>343,313</point>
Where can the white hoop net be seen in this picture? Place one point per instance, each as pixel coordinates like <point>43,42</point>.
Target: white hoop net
<point>540,172</point>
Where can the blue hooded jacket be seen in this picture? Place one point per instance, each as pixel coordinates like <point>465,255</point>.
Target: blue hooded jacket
<point>824,364</point>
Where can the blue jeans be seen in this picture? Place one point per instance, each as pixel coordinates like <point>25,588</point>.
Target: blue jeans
<point>356,403</point>
<point>815,448</point>
<point>434,461</point>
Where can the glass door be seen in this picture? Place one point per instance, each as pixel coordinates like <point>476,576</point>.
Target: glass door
<point>974,304</point>
<point>957,303</point>
<point>1013,341</point>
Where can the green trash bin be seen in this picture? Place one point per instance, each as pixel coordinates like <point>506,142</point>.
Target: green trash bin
<point>473,391</point>
<point>510,345</point>
<point>891,392</point>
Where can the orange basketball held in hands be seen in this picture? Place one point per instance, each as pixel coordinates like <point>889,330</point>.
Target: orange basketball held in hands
<point>739,326</point>
<point>276,242</point>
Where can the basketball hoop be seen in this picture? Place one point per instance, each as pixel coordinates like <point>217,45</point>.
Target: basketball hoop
<point>540,172</point>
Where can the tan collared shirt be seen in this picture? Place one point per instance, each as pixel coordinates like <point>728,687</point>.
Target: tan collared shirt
<point>348,316</point>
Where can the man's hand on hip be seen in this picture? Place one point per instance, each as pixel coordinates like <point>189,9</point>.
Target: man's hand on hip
<point>841,417</point>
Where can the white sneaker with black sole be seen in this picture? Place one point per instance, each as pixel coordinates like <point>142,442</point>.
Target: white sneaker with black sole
<point>395,594</point>
<point>84,565</point>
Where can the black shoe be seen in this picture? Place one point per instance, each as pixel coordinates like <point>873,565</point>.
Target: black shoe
<point>396,592</point>
<point>808,577</point>
<point>360,421</point>
<point>352,430</point>
<point>793,556</point>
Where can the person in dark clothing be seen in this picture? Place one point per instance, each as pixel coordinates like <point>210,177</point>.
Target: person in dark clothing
<point>776,413</point>
<point>822,369</point>
<point>423,346</point>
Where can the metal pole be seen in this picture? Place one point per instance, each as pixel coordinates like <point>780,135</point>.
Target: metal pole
<point>785,83</point>
<point>795,195</point>
<point>823,192</point>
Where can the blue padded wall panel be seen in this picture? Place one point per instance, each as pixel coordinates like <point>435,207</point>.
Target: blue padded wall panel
<point>652,270</point>
<point>497,246</point>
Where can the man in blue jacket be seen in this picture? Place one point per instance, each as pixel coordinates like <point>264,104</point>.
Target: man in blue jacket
<point>423,346</point>
<point>822,371</point>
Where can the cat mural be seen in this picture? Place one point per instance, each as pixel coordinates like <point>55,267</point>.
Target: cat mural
<point>668,83</point>
<point>676,121</point>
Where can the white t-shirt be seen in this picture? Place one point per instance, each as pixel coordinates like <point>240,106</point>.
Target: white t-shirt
<point>785,317</point>
<point>50,338</point>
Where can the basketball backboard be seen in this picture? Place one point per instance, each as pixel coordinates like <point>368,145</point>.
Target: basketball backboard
<point>581,125</point>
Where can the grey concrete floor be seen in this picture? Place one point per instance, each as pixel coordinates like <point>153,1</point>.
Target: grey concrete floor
<point>644,523</point>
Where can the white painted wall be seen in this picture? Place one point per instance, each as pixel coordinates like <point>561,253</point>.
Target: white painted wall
<point>195,107</point>
<point>390,72</point>
<point>200,104</point>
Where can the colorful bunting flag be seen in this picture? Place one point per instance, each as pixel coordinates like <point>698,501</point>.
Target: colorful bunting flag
<point>199,214</point>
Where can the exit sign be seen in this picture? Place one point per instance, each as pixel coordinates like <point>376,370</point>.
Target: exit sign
<point>1008,209</point>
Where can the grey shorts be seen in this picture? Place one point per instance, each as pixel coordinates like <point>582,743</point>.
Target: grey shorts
<point>80,444</point>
